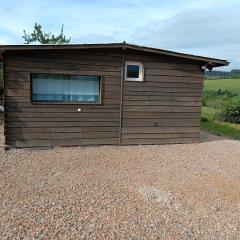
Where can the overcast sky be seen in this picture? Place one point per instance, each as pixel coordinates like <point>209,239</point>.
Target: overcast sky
<point>203,27</point>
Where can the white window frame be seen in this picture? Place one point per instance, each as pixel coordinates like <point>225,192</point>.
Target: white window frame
<point>141,71</point>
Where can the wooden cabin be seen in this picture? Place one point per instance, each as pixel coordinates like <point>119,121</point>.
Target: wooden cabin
<point>95,94</point>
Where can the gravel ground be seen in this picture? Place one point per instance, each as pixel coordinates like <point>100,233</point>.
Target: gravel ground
<point>139,192</point>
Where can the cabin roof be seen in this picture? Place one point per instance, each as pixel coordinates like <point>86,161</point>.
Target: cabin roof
<point>207,61</point>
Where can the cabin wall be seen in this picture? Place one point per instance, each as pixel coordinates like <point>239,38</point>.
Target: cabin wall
<point>166,106</point>
<point>47,125</point>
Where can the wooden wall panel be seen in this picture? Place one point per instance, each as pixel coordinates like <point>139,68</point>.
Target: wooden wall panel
<point>46,125</point>
<point>166,106</point>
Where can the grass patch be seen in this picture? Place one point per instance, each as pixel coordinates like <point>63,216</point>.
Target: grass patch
<point>222,128</point>
<point>232,85</point>
<point>209,113</point>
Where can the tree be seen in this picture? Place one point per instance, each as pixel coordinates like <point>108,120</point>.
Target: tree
<point>39,36</point>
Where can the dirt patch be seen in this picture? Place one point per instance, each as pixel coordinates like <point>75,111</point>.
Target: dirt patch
<point>157,195</point>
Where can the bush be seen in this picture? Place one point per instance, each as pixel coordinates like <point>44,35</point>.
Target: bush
<point>204,119</point>
<point>230,113</point>
<point>217,99</point>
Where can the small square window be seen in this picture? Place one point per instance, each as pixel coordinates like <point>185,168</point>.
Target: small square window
<point>133,71</point>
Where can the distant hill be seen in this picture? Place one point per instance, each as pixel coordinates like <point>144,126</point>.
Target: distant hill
<point>233,74</point>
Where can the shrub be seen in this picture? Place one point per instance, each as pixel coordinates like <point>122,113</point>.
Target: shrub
<point>217,99</point>
<point>204,119</point>
<point>230,113</point>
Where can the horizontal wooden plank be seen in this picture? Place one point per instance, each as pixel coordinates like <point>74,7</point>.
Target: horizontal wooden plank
<point>64,71</point>
<point>17,92</point>
<point>73,53</point>
<point>73,107</point>
<point>51,61</point>
<point>160,122</point>
<point>106,115</point>
<point>163,98</point>
<point>147,109</point>
<point>17,84</point>
<point>63,109</point>
<point>111,102</point>
<point>172,72</point>
<point>67,66</point>
<point>171,65</point>
<point>161,103</point>
<point>29,143</point>
<point>144,141</point>
<point>159,135</point>
<point>72,129</point>
<point>16,76</point>
<point>161,93</point>
<point>173,79</point>
<point>61,115</point>
<point>62,142</point>
<point>62,124</point>
<point>157,115</point>
<point>133,130</point>
<point>132,55</point>
<point>162,84</point>
<point>76,142</point>
<point>53,135</point>
<point>161,109</point>
<point>162,89</point>
<point>62,119</point>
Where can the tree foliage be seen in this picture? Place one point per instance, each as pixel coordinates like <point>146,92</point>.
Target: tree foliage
<point>233,74</point>
<point>39,36</point>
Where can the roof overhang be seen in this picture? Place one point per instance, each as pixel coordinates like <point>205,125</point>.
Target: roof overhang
<point>207,62</point>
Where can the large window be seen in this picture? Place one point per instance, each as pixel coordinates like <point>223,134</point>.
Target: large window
<point>133,71</point>
<point>65,88</point>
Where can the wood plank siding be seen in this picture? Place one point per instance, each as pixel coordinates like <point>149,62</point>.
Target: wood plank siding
<point>47,125</point>
<point>164,108</point>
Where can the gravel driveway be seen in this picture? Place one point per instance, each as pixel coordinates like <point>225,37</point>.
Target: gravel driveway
<point>138,192</point>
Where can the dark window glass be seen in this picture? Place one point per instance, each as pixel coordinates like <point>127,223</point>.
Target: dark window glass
<point>132,71</point>
<point>65,88</point>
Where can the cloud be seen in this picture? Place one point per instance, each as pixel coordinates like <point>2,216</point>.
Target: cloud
<point>206,28</point>
<point>205,32</point>
<point>3,42</point>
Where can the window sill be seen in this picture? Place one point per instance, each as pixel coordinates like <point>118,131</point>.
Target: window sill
<point>133,80</point>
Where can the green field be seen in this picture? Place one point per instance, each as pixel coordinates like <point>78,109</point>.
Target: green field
<point>232,85</point>
<point>214,104</point>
